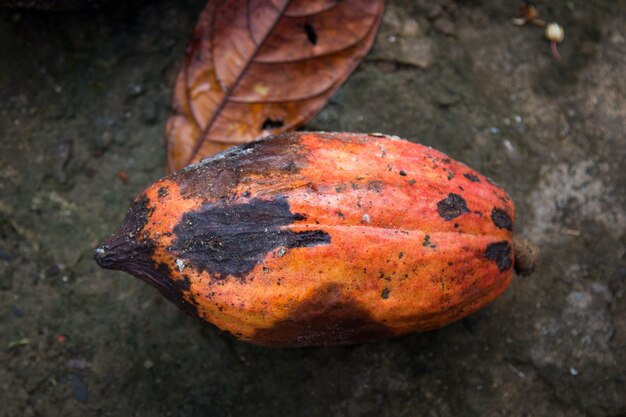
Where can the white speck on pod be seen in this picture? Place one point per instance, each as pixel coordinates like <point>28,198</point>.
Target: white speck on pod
<point>180,264</point>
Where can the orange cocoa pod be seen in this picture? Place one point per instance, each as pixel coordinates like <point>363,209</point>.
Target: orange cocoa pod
<point>320,239</point>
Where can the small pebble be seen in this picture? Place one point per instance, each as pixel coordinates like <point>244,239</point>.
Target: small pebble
<point>447,99</point>
<point>78,363</point>
<point>53,271</point>
<point>17,312</point>
<point>5,256</point>
<point>135,89</point>
<point>79,389</point>
<point>435,12</point>
<point>445,26</point>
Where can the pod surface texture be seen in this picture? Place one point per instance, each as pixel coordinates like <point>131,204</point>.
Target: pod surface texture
<point>308,239</point>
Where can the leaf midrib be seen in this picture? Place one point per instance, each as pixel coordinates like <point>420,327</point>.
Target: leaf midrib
<point>230,91</point>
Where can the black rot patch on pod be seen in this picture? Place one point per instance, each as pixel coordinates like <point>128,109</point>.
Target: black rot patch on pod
<point>163,192</point>
<point>501,219</point>
<point>452,207</point>
<point>385,293</point>
<point>327,317</point>
<point>231,239</point>
<point>471,177</point>
<point>500,253</point>
<point>128,251</point>
<point>184,284</point>
<point>427,243</point>
<point>376,186</point>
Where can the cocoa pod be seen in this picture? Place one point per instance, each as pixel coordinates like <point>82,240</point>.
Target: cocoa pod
<point>320,239</point>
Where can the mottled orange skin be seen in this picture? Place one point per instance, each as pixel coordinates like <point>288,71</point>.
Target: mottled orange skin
<point>377,198</point>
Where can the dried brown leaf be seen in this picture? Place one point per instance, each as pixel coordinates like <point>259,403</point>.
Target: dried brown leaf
<point>260,67</point>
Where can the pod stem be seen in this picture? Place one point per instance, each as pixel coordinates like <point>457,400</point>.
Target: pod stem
<point>526,254</point>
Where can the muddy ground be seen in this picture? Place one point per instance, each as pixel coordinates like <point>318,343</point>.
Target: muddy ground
<point>84,96</point>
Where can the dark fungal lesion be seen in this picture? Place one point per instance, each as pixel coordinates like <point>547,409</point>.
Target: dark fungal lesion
<point>231,239</point>
<point>500,253</point>
<point>163,192</point>
<point>329,316</point>
<point>427,243</point>
<point>471,177</point>
<point>385,293</point>
<point>128,242</point>
<point>501,219</point>
<point>131,250</point>
<point>265,159</point>
<point>138,216</point>
<point>375,185</point>
<point>452,207</point>
<point>184,284</point>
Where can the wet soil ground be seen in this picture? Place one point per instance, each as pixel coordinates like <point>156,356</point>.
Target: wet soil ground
<point>83,103</point>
